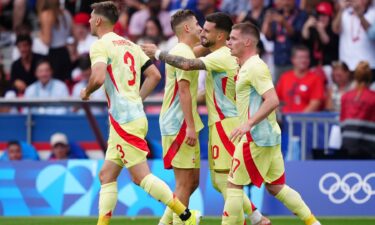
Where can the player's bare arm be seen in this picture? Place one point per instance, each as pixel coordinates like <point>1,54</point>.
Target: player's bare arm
<point>152,78</point>
<point>96,80</point>
<point>173,60</point>
<point>270,103</point>
<point>187,109</point>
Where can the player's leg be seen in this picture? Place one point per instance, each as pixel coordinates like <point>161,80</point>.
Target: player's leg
<point>185,161</point>
<point>220,156</point>
<point>187,181</point>
<point>108,191</point>
<point>288,196</point>
<point>159,190</point>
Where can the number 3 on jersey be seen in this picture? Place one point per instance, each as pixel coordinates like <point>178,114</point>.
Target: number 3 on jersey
<point>128,56</point>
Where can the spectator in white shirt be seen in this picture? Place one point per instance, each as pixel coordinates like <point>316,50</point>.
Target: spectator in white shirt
<point>46,87</point>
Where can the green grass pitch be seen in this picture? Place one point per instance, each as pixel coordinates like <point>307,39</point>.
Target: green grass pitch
<point>154,221</point>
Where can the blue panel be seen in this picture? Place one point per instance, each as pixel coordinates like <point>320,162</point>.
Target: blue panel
<point>7,174</point>
<point>15,127</point>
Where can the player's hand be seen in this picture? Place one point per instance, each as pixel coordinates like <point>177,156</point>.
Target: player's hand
<point>149,49</point>
<point>84,95</point>
<point>191,136</point>
<point>237,133</point>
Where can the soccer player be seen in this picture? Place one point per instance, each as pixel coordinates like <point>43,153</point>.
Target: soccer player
<point>220,99</point>
<point>257,158</point>
<point>118,63</point>
<point>179,120</point>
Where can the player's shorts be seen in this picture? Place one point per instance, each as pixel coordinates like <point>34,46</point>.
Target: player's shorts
<point>126,143</point>
<point>178,154</point>
<point>220,147</point>
<point>255,164</point>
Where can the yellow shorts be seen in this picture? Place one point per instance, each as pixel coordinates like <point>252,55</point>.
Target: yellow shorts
<point>126,143</point>
<point>176,153</point>
<point>255,164</point>
<point>221,149</point>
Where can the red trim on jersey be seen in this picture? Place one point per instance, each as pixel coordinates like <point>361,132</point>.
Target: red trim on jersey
<point>108,99</point>
<point>110,72</point>
<point>130,138</point>
<point>224,81</point>
<point>252,170</point>
<point>253,208</point>
<point>280,180</point>
<point>174,92</point>
<point>221,115</point>
<point>173,149</point>
<point>249,137</point>
<point>229,146</point>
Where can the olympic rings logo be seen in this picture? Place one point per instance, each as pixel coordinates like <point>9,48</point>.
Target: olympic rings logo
<point>347,190</point>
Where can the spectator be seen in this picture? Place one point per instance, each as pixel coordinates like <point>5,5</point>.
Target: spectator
<point>79,6</point>
<point>371,32</point>
<point>46,87</point>
<point>60,147</point>
<point>153,9</point>
<point>283,25</point>
<point>4,83</point>
<point>357,116</point>
<point>23,69</point>
<point>153,33</point>
<point>352,23</point>
<point>81,33</point>
<point>14,150</point>
<point>342,83</point>
<point>317,33</point>
<point>55,28</point>
<point>84,65</point>
<point>12,14</point>
<point>300,90</point>
<point>257,12</point>
<point>205,7</point>
<point>122,26</point>
<point>234,8</point>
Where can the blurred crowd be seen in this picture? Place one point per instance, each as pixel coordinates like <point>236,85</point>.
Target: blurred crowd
<point>321,52</point>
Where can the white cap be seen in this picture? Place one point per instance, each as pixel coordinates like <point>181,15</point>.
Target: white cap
<point>58,138</point>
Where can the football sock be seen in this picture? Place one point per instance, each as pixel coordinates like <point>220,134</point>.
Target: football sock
<point>311,220</point>
<point>233,208</point>
<point>220,183</point>
<point>293,201</point>
<point>107,202</point>
<point>159,190</point>
<point>167,217</point>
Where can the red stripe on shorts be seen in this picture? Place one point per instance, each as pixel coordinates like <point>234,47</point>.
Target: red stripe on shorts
<point>252,170</point>
<point>280,180</point>
<point>110,72</point>
<point>221,115</point>
<point>173,149</point>
<point>130,138</point>
<point>229,146</point>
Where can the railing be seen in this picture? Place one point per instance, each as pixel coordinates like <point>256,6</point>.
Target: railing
<point>302,124</point>
<point>67,102</point>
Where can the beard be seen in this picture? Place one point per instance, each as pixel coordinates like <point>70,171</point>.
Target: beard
<point>206,43</point>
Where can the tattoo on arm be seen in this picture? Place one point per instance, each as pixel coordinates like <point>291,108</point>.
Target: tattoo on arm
<point>181,62</point>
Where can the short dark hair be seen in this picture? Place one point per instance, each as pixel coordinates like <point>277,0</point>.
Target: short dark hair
<point>24,37</point>
<point>42,61</point>
<point>84,62</point>
<point>180,16</point>
<point>248,29</point>
<point>13,142</point>
<point>299,48</point>
<point>107,9</point>
<point>222,21</point>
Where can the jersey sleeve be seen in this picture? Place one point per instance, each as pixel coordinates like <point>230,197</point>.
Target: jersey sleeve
<point>98,53</point>
<point>213,61</point>
<point>261,80</point>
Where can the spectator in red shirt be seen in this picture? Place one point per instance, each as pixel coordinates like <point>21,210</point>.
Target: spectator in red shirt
<point>358,116</point>
<point>300,90</point>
